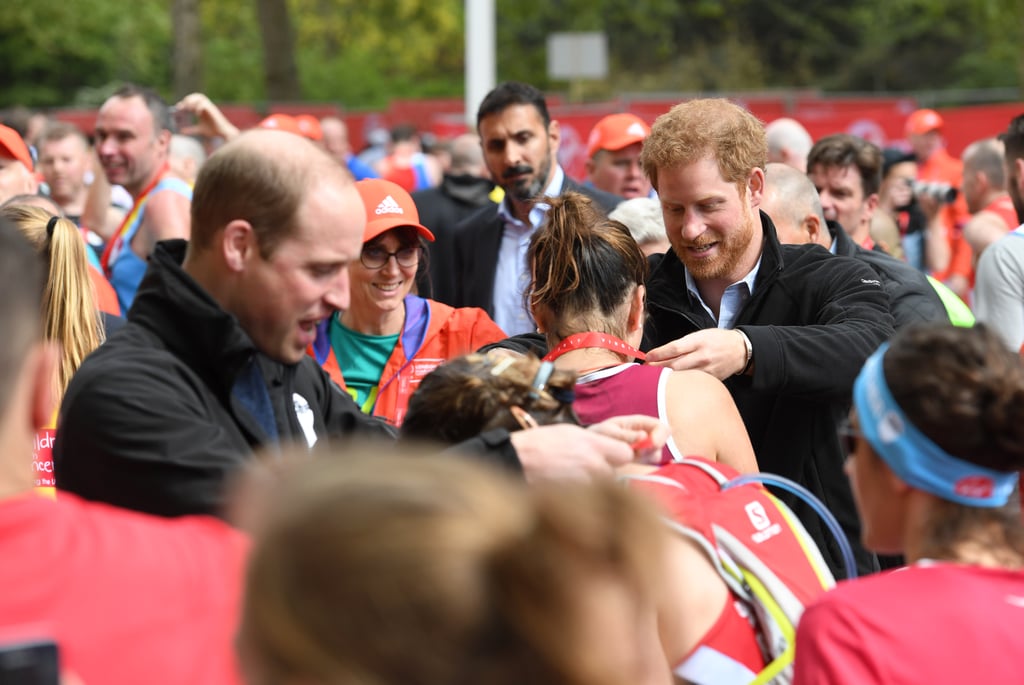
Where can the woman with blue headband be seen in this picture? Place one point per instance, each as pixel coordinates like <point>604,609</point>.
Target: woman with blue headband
<point>937,443</point>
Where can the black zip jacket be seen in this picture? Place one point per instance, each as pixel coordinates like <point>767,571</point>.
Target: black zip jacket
<point>149,422</point>
<point>813,319</point>
<point>912,299</point>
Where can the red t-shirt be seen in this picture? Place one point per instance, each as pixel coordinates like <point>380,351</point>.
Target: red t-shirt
<point>129,598</point>
<point>929,623</point>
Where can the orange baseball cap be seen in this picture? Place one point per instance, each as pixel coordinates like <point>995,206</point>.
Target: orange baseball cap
<point>281,122</point>
<point>388,205</point>
<point>309,125</point>
<point>922,121</point>
<point>616,131</point>
<point>11,145</point>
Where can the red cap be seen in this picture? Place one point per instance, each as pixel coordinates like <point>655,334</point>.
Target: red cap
<point>309,126</point>
<point>281,122</point>
<point>616,131</point>
<point>922,121</point>
<point>388,205</point>
<point>11,145</point>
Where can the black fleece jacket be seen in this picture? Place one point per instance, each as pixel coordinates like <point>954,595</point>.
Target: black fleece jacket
<point>812,319</point>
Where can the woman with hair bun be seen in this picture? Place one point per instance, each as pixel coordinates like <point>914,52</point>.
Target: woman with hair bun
<point>587,296</point>
<point>937,436</point>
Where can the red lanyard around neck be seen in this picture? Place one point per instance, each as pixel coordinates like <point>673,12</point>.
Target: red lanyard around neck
<point>604,341</point>
<point>116,244</point>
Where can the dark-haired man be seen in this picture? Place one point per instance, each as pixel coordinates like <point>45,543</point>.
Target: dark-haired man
<point>133,133</point>
<point>520,144</point>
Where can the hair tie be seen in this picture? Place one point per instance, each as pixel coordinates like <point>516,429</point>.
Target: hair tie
<point>49,226</point>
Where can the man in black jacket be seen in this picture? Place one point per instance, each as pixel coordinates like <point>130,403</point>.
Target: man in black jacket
<point>520,144</point>
<point>792,202</point>
<point>212,364</point>
<point>787,328</point>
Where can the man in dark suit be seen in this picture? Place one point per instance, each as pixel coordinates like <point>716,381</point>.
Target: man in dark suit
<point>488,262</point>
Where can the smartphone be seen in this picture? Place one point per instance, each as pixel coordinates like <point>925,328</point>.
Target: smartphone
<point>29,663</point>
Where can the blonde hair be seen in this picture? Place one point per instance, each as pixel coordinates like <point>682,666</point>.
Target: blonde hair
<point>70,314</point>
<point>387,569</point>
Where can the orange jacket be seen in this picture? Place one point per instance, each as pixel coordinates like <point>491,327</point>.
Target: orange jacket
<point>432,334</point>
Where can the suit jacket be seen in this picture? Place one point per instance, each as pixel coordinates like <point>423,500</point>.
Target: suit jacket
<point>474,259</point>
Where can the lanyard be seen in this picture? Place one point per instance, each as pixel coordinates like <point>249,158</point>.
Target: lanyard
<point>602,340</point>
<point>114,247</point>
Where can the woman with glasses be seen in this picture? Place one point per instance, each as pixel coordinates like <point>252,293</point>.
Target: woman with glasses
<point>389,338</point>
<point>938,421</point>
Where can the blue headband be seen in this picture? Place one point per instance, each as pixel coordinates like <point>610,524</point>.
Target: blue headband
<point>912,456</point>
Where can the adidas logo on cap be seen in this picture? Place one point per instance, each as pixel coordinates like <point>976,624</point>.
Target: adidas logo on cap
<point>636,129</point>
<point>388,206</point>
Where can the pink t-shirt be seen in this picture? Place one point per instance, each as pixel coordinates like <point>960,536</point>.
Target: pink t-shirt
<point>928,623</point>
<point>129,598</point>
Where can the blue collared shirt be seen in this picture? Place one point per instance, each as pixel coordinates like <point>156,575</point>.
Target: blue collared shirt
<point>513,273</point>
<point>733,299</point>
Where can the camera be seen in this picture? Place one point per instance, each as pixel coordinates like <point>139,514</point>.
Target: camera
<point>943,192</point>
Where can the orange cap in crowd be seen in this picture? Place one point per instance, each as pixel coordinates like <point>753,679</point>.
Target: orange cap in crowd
<point>309,125</point>
<point>922,121</point>
<point>617,131</point>
<point>281,122</point>
<point>11,145</point>
<point>388,205</point>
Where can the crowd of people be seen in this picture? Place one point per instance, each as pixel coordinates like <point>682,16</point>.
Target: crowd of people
<point>298,413</point>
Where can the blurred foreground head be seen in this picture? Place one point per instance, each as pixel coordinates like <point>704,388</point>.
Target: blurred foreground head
<point>427,570</point>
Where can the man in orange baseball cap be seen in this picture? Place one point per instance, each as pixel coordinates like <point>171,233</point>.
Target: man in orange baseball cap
<point>16,177</point>
<point>613,151</point>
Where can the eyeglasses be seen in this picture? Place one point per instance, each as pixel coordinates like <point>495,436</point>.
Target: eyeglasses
<point>375,257</point>
<point>848,436</point>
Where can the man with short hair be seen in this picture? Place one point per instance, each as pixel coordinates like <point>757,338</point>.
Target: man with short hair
<point>64,161</point>
<point>16,176</point>
<point>847,172</point>
<point>613,156</point>
<point>999,288</point>
<point>212,363</point>
<point>786,327</point>
<point>520,144</point>
<point>984,189</point>
<point>127,598</point>
<point>788,143</point>
<point>792,202</point>
<point>133,133</point>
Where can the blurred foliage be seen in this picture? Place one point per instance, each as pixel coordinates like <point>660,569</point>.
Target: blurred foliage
<point>363,54</point>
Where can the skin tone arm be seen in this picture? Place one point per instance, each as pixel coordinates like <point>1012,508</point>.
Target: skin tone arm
<point>717,351</point>
<point>166,216</point>
<point>210,121</point>
<point>564,451</point>
<point>710,427</point>
<point>98,215</point>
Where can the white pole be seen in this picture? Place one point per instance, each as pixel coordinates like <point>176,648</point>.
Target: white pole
<point>480,59</point>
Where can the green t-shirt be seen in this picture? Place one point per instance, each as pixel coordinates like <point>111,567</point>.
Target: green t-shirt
<point>361,359</point>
